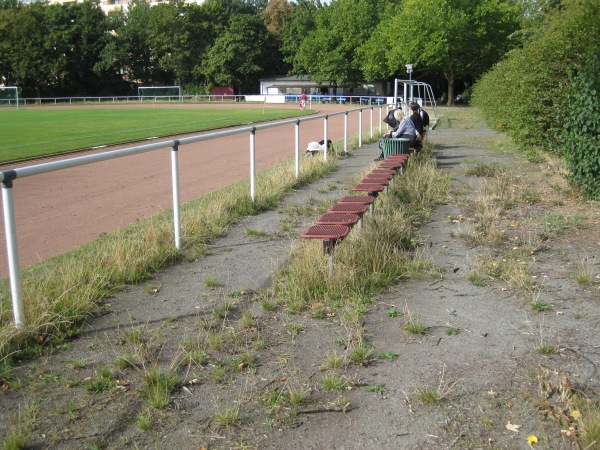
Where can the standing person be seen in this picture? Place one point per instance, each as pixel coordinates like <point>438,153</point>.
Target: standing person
<point>303,100</point>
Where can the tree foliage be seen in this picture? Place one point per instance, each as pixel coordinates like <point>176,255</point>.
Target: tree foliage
<point>454,38</point>
<point>581,127</point>
<point>243,52</point>
<point>525,93</point>
<point>329,52</point>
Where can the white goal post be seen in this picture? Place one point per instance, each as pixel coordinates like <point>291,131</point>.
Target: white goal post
<point>415,91</point>
<point>10,96</point>
<point>160,92</point>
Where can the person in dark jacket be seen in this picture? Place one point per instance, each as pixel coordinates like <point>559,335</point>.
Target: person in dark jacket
<point>416,119</point>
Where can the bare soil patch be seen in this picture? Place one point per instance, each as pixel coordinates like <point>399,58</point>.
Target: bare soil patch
<point>255,375</point>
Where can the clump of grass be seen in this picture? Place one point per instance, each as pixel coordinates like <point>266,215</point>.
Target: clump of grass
<point>360,354</point>
<point>334,361</point>
<point>126,361</point>
<point>158,387</point>
<point>425,395</point>
<point>294,328</point>
<point>228,416</point>
<point>212,282</point>
<point>388,355</point>
<point>144,420</point>
<point>247,320</point>
<point>103,381</point>
<point>378,389</point>
<point>214,340</point>
<point>585,271</point>
<point>438,393</point>
<point>221,311</point>
<point>334,383</point>
<point>547,350</point>
<point>452,331</point>
<point>394,313</point>
<point>476,279</point>
<point>256,233</point>
<point>483,169</point>
<point>539,306</point>
<point>412,322</point>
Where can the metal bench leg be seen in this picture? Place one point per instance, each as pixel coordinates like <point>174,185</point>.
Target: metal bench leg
<point>328,248</point>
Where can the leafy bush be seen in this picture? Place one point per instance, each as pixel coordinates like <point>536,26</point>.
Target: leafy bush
<point>524,94</point>
<point>581,131</point>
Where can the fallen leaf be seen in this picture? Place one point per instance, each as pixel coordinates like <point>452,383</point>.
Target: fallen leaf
<point>513,427</point>
<point>531,439</point>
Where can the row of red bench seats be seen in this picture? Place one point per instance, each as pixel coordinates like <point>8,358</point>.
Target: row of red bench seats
<point>335,225</point>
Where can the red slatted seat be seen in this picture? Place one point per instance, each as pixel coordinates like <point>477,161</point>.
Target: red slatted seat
<point>371,188</point>
<point>382,176</point>
<point>351,208</point>
<point>338,219</point>
<point>330,234</point>
<point>363,199</point>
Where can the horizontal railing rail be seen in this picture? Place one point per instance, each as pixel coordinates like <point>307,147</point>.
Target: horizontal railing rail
<point>9,178</point>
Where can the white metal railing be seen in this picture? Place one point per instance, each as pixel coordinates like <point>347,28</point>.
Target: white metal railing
<point>10,176</point>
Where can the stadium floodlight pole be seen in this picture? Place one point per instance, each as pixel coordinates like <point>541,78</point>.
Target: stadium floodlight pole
<point>409,70</point>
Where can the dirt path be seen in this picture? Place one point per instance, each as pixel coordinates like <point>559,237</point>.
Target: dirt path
<point>238,376</point>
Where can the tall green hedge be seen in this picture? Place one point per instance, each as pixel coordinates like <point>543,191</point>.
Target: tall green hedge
<point>581,132</point>
<point>524,93</point>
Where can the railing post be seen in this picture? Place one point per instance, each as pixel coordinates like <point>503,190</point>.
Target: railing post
<point>380,118</point>
<point>360,128</point>
<point>325,126</point>
<point>252,161</point>
<point>10,231</point>
<point>371,117</point>
<point>297,127</point>
<point>346,133</point>
<point>176,194</point>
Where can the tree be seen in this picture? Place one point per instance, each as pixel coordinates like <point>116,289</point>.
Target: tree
<point>241,54</point>
<point>74,40</point>
<point>330,51</point>
<point>456,38</point>
<point>296,27</point>
<point>127,53</point>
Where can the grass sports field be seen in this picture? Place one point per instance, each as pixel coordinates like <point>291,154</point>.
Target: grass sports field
<point>38,132</point>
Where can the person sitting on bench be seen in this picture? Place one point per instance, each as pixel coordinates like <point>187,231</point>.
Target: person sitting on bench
<point>405,130</point>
